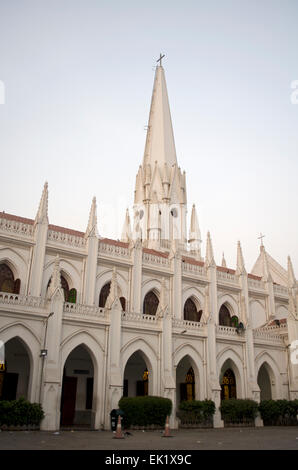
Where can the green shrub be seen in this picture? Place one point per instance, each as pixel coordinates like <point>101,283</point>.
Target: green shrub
<point>279,412</point>
<point>195,411</point>
<point>20,413</point>
<point>238,411</point>
<point>145,411</point>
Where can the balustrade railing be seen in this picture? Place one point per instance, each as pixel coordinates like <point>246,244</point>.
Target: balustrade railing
<point>227,277</point>
<point>66,238</point>
<point>150,258</point>
<point>113,250</point>
<point>187,324</point>
<point>255,284</point>
<point>193,268</point>
<point>280,290</point>
<point>83,310</point>
<point>138,317</point>
<point>16,227</point>
<point>24,300</point>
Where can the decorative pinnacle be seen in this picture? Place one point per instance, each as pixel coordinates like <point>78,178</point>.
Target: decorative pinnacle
<point>42,213</point>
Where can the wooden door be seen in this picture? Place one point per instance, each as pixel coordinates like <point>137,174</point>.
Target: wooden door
<point>68,401</point>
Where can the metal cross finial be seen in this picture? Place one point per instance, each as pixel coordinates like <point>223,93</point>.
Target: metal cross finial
<point>261,237</point>
<point>160,58</point>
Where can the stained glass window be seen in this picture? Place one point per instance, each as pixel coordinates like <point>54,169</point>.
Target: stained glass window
<point>72,296</point>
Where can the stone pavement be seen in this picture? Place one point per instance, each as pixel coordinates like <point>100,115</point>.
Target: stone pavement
<point>266,438</point>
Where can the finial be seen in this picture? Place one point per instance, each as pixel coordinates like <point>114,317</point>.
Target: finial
<point>161,56</point>
<point>261,237</point>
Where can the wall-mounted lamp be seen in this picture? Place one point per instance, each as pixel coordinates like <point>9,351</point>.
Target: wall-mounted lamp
<point>43,353</point>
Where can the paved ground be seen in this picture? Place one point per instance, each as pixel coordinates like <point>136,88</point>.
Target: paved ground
<point>266,438</point>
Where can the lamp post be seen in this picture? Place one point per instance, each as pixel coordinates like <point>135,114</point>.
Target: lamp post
<point>44,352</point>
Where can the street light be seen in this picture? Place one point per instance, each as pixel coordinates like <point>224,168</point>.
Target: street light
<point>44,352</point>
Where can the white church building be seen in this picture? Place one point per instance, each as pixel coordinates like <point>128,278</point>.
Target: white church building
<point>85,319</point>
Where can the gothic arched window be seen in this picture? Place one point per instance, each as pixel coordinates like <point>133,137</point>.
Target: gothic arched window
<point>224,316</point>
<point>7,282</point>
<point>123,303</point>
<point>104,293</point>
<point>65,287</point>
<point>150,303</point>
<point>190,311</point>
<point>70,295</point>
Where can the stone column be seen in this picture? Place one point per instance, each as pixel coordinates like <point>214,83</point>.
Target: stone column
<point>176,262</point>
<point>52,375</point>
<point>114,375</point>
<point>136,276</point>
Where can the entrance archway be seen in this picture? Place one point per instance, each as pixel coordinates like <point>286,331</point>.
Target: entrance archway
<point>186,380</point>
<point>136,376</point>
<point>228,385</point>
<point>264,383</point>
<point>77,389</point>
<point>15,376</point>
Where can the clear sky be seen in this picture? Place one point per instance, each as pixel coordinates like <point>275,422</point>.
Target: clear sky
<point>78,78</point>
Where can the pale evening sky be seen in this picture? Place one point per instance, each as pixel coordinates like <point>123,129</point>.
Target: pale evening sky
<point>78,77</point>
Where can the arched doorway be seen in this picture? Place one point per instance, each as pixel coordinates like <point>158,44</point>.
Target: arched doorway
<point>150,303</point>
<point>186,381</point>
<point>7,281</point>
<point>264,383</point>
<point>136,376</point>
<point>15,375</point>
<point>228,385</point>
<point>77,389</point>
<point>191,311</point>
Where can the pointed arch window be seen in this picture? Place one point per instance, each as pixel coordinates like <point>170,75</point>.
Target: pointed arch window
<point>190,311</point>
<point>70,295</point>
<point>104,293</point>
<point>225,318</point>
<point>7,281</point>
<point>150,303</point>
<point>123,303</point>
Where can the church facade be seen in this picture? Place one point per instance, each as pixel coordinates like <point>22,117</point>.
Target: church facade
<point>85,320</point>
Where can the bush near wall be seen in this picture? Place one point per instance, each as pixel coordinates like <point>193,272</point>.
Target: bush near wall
<point>20,413</point>
<point>145,411</point>
<point>237,411</point>
<point>279,412</point>
<point>195,413</point>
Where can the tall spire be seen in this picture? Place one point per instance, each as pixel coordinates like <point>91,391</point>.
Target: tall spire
<point>160,144</point>
<point>266,269</point>
<point>159,181</point>
<point>55,279</point>
<point>291,275</point>
<point>223,261</point>
<point>240,261</point>
<point>194,232</point>
<point>92,222</point>
<point>42,213</point>
<point>209,259</point>
<point>126,231</point>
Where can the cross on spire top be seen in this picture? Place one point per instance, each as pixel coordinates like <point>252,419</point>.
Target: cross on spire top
<point>161,56</point>
<point>261,237</point>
